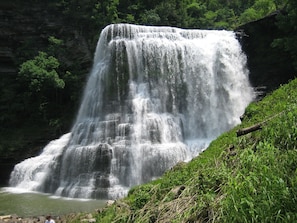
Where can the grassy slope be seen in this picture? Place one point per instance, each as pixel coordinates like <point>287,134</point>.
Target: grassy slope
<point>252,178</point>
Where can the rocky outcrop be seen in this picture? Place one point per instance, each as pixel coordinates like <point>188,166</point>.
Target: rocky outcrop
<point>269,67</point>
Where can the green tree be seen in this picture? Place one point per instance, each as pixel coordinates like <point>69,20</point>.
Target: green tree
<point>56,46</point>
<point>195,11</point>
<point>248,15</point>
<point>150,17</point>
<point>264,7</point>
<point>41,73</point>
<point>208,19</point>
<point>259,9</point>
<point>173,13</point>
<point>213,5</point>
<point>226,19</point>
<point>40,83</point>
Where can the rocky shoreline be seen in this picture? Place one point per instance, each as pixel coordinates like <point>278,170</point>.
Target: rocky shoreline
<point>17,219</point>
<point>86,217</point>
<point>78,217</point>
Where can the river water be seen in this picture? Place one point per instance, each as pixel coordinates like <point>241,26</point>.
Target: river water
<point>28,204</point>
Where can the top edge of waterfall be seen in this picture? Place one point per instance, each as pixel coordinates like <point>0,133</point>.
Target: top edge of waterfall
<point>141,28</point>
<point>126,31</point>
<point>130,31</point>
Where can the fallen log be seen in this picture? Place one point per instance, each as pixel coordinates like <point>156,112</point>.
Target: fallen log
<point>256,127</point>
<point>247,130</point>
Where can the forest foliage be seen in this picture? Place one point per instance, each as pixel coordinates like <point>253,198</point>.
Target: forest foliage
<point>46,91</point>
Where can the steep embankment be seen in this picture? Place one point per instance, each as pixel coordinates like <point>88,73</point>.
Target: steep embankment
<point>239,178</point>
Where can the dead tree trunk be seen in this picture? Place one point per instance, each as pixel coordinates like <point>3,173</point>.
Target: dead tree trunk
<point>256,127</point>
<point>247,130</point>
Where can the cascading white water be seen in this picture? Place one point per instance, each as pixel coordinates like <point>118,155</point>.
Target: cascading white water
<point>155,96</point>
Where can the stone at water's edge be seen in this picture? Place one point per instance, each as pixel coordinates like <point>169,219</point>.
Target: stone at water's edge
<point>18,219</point>
<point>58,219</point>
<point>85,217</point>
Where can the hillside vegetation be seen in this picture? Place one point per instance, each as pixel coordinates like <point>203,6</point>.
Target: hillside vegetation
<point>248,178</point>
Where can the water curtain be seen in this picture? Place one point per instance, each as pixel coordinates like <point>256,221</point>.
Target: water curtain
<point>156,96</point>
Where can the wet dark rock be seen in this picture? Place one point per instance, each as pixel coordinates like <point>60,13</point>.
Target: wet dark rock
<point>269,67</point>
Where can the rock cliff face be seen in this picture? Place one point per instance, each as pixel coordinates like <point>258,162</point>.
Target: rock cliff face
<point>24,30</point>
<point>269,67</point>
<point>23,26</point>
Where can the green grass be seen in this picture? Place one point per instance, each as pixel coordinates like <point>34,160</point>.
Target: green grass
<point>251,178</point>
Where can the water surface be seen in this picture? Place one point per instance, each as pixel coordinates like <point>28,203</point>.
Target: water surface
<point>28,204</point>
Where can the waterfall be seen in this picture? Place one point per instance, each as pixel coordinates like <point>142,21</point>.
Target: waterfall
<point>155,96</point>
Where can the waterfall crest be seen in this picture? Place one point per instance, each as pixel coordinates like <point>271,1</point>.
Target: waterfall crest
<point>156,96</point>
